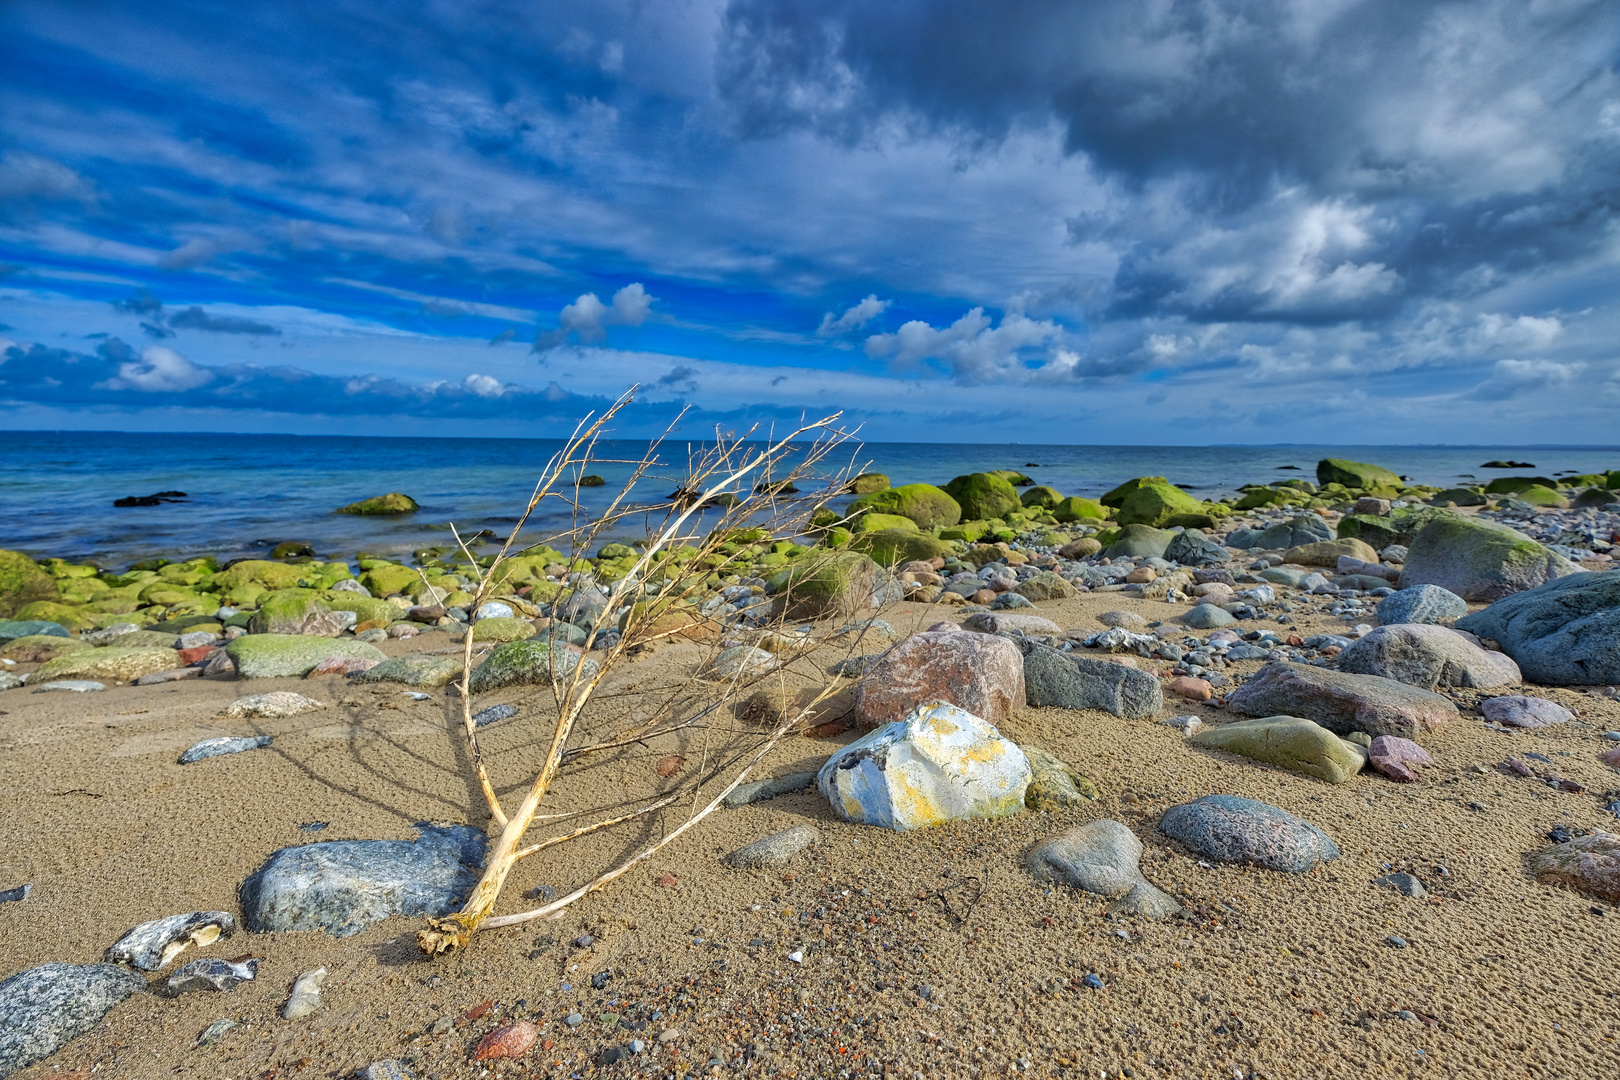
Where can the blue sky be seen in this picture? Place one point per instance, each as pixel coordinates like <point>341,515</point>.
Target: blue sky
<point>1142,221</point>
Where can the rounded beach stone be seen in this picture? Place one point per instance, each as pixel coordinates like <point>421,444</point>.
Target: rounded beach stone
<point>980,673</point>
<point>44,1008</point>
<point>1428,656</point>
<point>1565,633</point>
<point>1590,863</point>
<point>1102,858</point>
<point>1421,604</point>
<point>415,669</point>
<point>111,664</point>
<point>271,656</point>
<point>1521,711</point>
<point>1289,742</point>
<point>1233,829</point>
<point>276,705</point>
<point>777,849</point>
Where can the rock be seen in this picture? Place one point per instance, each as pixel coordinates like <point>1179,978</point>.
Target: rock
<point>222,746</point>
<point>1340,701</point>
<point>41,648</point>
<point>506,1042</point>
<point>939,764</point>
<point>23,582</point>
<point>344,886</point>
<point>1187,725</point>
<point>1369,504</point>
<point>982,496</point>
<point>742,662</point>
<point>306,995</point>
<point>1067,681</point>
<point>151,945</point>
<point>1289,742</point>
<point>775,850</point>
<point>1233,829</point>
<point>1563,633</point>
<point>1357,567</point>
<point>867,483</point>
<point>1295,532</point>
<point>1157,505</point>
<point>502,629</point>
<point>1428,656</point>
<point>987,622</point>
<point>1517,710</point>
<point>758,790</point>
<point>414,669</point>
<point>390,1068</point>
<point>1192,547</point>
<point>493,715</point>
<point>11,630</point>
<point>1421,604</point>
<point>110,664</point>
<point>1403,883</point>
<point>1480,560</point>
<point>72,686</point>
<point>44,1008</point>
<point>211,974</point>
<point>1045,585</point>
<point>382,505</point>
<point>1140,542</point>
<point>1053,786</point>
<point>271,656</point>
<point>1082,548</point>
<point>276,705</point>
<point>1589,863</point>
<point>1185,686</point>
<point>341,665</point>
<point>1102,858</point>
<point>1355,474</point>
<point>924,504</point>
<point>1396,758</point>
<point>1207,617</point>
<point>526,663</point>
<point>979,673</point>
<point>214,1032</point>
<point>1130,620</point>
<point>1329,552</point>
<point>834,587</point>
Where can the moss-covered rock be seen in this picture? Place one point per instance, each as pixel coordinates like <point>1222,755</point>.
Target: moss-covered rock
<point>1138,541</point>
<point>262,572</point>
<point>73,618</point>
<point>1542,496</point>
<point>1042,496</point>
<point>1596,496</point>
<point>1255,498</point>
<point>869,482</point>
<point>272,656</point>
<point>1198,520</point>
<point>1512,485</point>
<point>875,522</point>
<point>1075,508</point>
<point>111,664</point>
<point>382,505</point>
<point>967,531</point>
<point>894,546</point>
<point>1155,504</point>
<point>386,579</point>
<point>1377,532</point>
<point>23,581</point>
<point>827,587</point>
<point>41,648</point>
<point>283,612</point>
<point>1458,497</point>
<point>1116,497</point>
<point>983,495</point>
<point>1479,560</point>
<point>924,504</point>
<point>415,669</point>
<point>502,628</point>
<point>1355,474</point>
<point>525,663</point>
<point>365,608</point>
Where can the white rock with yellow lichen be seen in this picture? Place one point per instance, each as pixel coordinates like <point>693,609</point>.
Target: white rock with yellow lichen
<point>939,764</point>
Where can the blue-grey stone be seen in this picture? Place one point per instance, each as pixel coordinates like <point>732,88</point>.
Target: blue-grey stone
<point>344,886</point>
<point>1207,617</point>
<point>1421,604</point>
<point>1563,633</point>
<point>1008,601</point>
<point>11,629</point>
<point>219,747</point>
<point>1247,652</point>
<point>1277,575</point>
<point>1067,681</point>
<point>1304,529</point>
<point>493,715</point>
<point>1233,829</point>
<point>212,973</point>
<point>1192,548</point>
<point>45,1008</point>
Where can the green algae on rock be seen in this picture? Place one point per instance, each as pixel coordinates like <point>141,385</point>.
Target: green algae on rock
<point>23,582</point>
<point>382,505</point>
<point>983,495</point>
<point>269,656</point>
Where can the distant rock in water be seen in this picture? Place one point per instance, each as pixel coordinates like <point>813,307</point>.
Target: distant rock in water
<point>382,506</point>
<point>152,500</point>
<point>591,481</point>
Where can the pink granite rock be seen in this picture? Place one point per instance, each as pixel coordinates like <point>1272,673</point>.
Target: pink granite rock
<point>1396,757</point>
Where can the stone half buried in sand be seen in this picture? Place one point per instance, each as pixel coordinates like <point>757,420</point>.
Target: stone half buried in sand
<point>1342,702</point>
<point>1063,680</point>
<point>44,1008</point>
<point>979,673</point>
<point>1565,633</point>
<point>414,669</point>
<point>939,764</point>
<point>344,886</point>
<point>152,945</point>
<point>222,747</point>
<point>1233,829</point>
<point>1589,863</point>
<point>1418,654</point>
<point>276,705</point>
<point>527,663</point>
<point>1288,742</point>
<point>997,622</point>
<point>272,656</point>
<point>1101,858</point>
<point>111,664</point>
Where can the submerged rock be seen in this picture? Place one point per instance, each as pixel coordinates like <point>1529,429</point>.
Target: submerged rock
<point>939,764</point>
<point>344,886</point>
<point>151,945</point>
<point>1233,829</point>
<point>44,1008</point>
<point>220,747</point>
<point>1101,858</point>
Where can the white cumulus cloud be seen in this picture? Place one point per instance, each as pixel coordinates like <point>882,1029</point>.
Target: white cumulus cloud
<point>853,319</point>
<point>972,348</point>
<point>586,320</point>
<point>159,369</point>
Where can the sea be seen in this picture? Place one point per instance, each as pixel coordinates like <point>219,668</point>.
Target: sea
<point>246,493</point>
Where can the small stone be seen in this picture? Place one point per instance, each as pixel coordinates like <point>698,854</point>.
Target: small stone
<point>1521,711</point>
<point>1397,758</point>
<point>388,1069</point>
<point>1396,941</point>
<point>492,715</point>
<point>573,1019</point>
<point>1234,829</point>
<point>796,956</point>
<point>1101,858</point>
<point>214,1032</point>
<point>1590,863</point>
<point>1130,620</point>
<point>1187,725</point>
<point>1408,1015</point>
<point>1403,883</point>
<point>775,850</point>
<point>668,1035</point>
<point>277,705</point>
<point>211,974</point>
<point>306,994</point>
<point>584,941</point>
<point>220,747</point>
<point>1190,688</point>
<point>1092,982</point>
<point>71,686</point>
<point>510,1041</point>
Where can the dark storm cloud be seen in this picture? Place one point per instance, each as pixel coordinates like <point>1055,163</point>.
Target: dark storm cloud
<point>195,318</point>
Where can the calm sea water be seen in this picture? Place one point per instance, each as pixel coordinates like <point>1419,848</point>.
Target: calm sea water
<point>248,492</point>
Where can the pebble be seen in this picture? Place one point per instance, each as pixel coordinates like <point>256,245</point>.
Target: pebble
<point>211,974</point>
<point>306,994</point>
<point>573,1019</point>
<point>796,956</point>
<point>220,747</point>
<point>388,1069</point>
<point>71,686</point>
<point>1396,941</point>
<point>491,715</point>
<point>1093,982</point>
<point>215,1032</point>
<point>1403,883</point>
<point>1187,725</point>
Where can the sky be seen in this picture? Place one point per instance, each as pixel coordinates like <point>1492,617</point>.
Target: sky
<point>1094,221</point>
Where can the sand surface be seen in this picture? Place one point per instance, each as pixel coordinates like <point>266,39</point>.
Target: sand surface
<point>928,953</point>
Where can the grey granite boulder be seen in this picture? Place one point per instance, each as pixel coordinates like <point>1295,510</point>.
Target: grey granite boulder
<point>1101,858</point>
<point>1066,681</point>
<point>1564,633</point>
<point>1193,548</point>
<point>45,1008</point>
<point>775,850</point>
<point>1421,604</point>
<point>1428,656</point>
<point>1303,529</point>
<point>1340,701</point>
<point>344,886</point>
<point>1479,560</point>
<point>1233,829</point>
<point>153,944</point>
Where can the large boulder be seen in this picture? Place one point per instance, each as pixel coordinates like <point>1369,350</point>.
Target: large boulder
<point>1304,529</point>
<point>894,546</point>
<point>873,521</point>
<point>983,496</point>
<point>1140,541</point>
<point>274,656</point>
<point>1421,604</point>
<point>1042,496</point>
<point>980,673</point>
<point>536,662</point>
<point>1233,829</point>
<point>1156,505</point>
<point>1066,681</point>
<point>924,504</point>
<point>344,886</point>
<point>1193,547</point>
<point>1589,863</point>
<point>1479,560</point>
<point>382,505</point>
<point>1512,485</point>
<point>1075,508</point>
<point>1115,497</point>
<point>1428,656</point>
<point>1355,474</point>
<point>271,575</point>
<point>1102,858</point>
<point>827,587</point>
<point>44,1008</point>
<point>939,764</point>
<point>111,664</point>
<point>22,582</point>
<point>1563,633</point>
<point>1289,742</point>
<point>1341,702</point>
